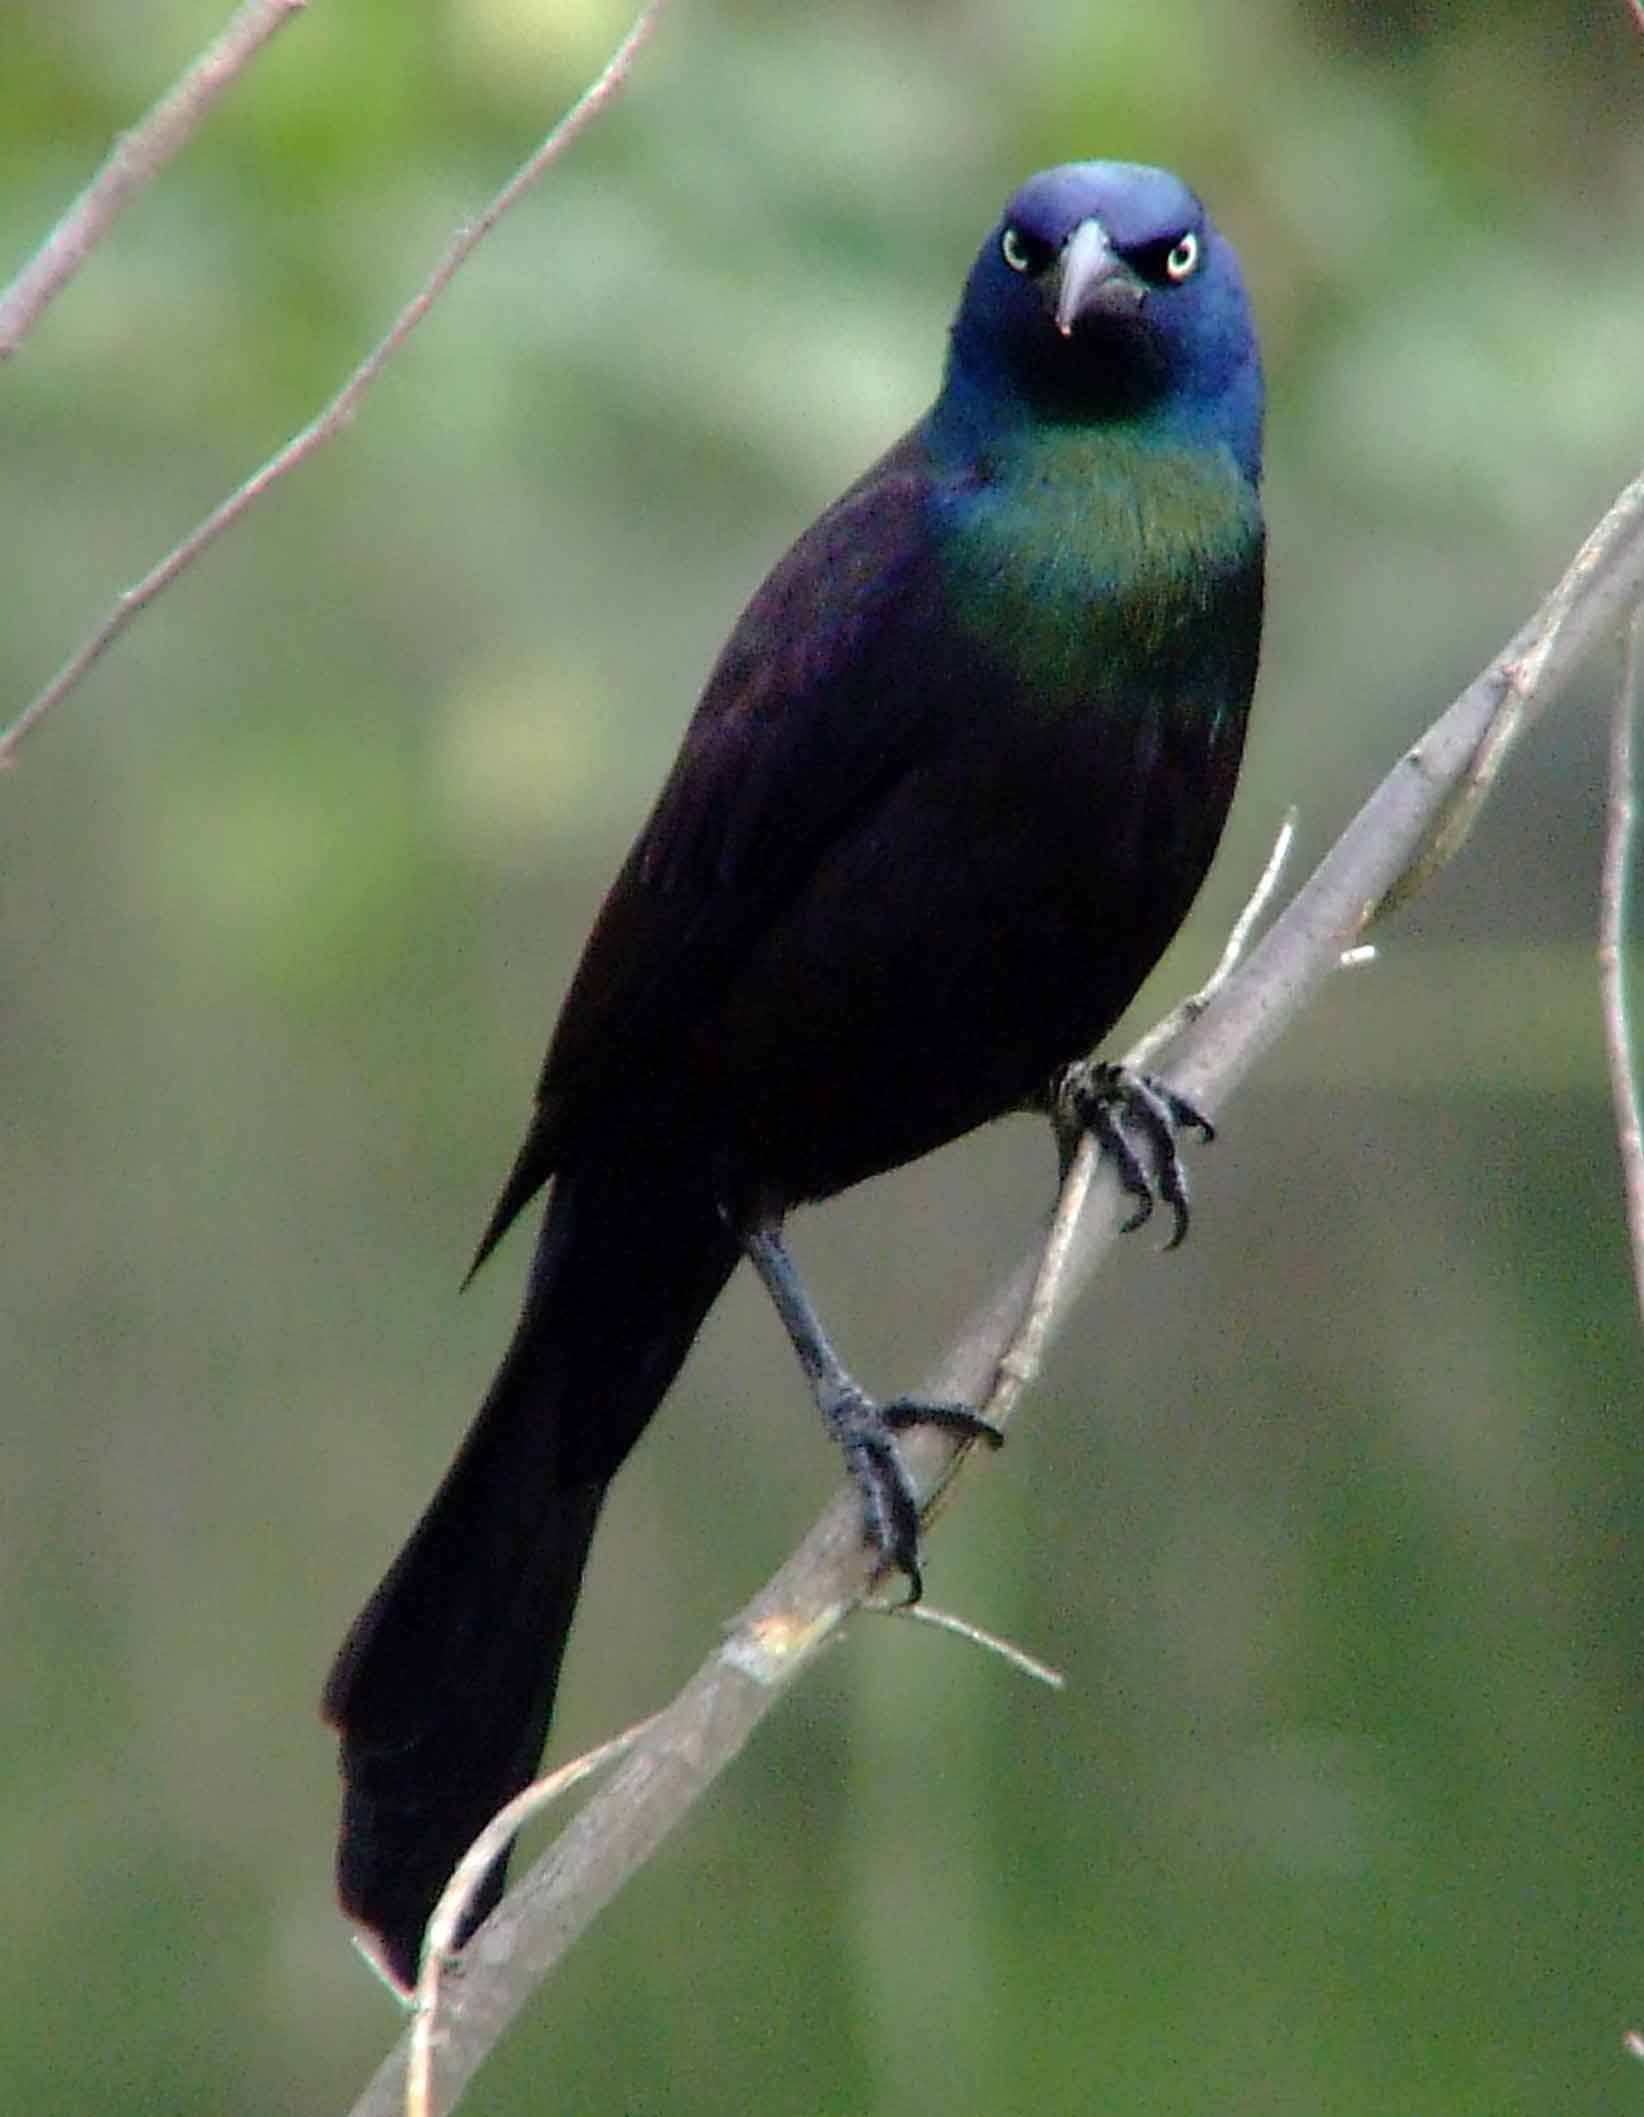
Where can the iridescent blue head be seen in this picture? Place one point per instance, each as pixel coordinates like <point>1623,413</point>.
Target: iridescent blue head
<point>1107,294</point>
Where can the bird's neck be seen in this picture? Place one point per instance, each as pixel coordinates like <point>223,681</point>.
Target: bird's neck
<point>1215,404</point>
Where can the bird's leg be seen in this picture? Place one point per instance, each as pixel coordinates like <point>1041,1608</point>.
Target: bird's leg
<point>865,1429</point>
<point>1110,1101</point>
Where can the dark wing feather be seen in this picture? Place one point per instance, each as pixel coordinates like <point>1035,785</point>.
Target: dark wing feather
<point>822,696</point>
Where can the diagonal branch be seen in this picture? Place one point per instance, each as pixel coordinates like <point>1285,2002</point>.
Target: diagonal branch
<point>1400,838</point>
<point>346,403</point>
<point>137,158</point>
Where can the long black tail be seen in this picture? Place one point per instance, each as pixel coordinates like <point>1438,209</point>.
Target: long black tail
<point>443,1688</point>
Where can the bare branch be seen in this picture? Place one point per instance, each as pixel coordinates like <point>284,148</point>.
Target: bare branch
<point>1403,827</point>
<point>137,159</point>
<point>1614,894</point>
<point>343,406</point>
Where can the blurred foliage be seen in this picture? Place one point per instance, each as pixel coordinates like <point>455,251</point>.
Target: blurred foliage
<point>1333,1520</point>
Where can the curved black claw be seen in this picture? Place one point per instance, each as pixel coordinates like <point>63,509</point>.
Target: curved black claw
<point>1108,1101</point>
<point>963,1419</point>
<point>866,1431</point>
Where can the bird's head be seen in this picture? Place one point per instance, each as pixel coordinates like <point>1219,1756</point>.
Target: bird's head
<point>1106,292</point>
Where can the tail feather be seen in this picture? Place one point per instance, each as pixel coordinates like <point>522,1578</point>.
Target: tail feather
<point>444,1687</point>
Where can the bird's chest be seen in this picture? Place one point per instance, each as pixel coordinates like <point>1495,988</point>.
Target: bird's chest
<point>1108,626</point>
<point>1089,597</point>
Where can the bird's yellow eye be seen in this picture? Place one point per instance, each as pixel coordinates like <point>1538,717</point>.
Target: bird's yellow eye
<point>1015,251</point>
<point>1183,260</point>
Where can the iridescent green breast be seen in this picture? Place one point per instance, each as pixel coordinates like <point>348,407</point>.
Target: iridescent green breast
<point>1101,563</point>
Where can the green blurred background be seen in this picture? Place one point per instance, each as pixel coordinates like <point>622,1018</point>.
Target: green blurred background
<point>1331,1520</point>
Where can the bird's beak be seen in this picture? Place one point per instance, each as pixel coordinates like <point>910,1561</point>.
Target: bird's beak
<point>1092,279</point>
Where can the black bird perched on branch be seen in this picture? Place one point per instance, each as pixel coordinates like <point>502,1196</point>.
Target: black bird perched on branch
<point>951,788</point>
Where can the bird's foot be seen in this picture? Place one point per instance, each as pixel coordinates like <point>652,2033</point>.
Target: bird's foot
<point>866,1431</point>
<point>1110,1102</point>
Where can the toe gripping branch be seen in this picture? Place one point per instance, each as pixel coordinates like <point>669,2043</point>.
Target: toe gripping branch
<point>864,1428</point>
<point>1122,1109</point>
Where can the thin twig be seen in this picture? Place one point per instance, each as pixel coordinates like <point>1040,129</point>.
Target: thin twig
<point>343,406</point>
<point>440,1940</point>
<point>137,158</point>
<point>945,1621</point>
<point>693,1739</point>
<point>1614,895</point>
<point>1520,680</point>
<point>1186,1012</point>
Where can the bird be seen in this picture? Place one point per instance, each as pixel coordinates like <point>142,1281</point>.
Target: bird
<point>949,791</point>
